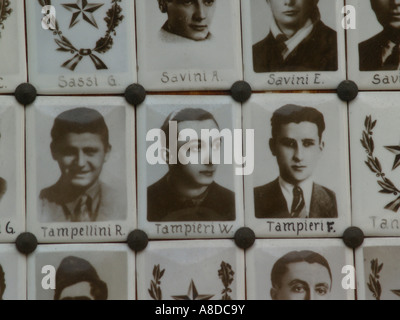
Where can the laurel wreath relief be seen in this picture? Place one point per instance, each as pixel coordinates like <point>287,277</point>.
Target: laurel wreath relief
<point>5,12</point>
<point>375,166</point>
<point>113,19</point>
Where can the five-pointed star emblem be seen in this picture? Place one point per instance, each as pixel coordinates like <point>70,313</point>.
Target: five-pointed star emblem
<point>396,151</point>
<point>84,8</point>
<point>193,294</point>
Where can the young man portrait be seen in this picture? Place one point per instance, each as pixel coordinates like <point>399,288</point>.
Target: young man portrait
<point>188,192</point>
<point>80,146</point>
<point>298,40</point>
<point>77,279</point>
<point>301,275</point>
<point>187,19</point>
<point>297,144</point>
<point>381,52</point>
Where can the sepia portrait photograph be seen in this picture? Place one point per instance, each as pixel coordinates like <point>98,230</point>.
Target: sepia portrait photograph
<point>285,37</point>
<point>80,47</point>
<point>184,45</point>
<point>373,47</point>
<point>378,269</point>
<point>374,154</point>
<point>12,45</point>
<point>81,272</point>
<point>308,270</point>
<point>301,164</point>
<point>194,270</point>
<point>83,170</point>
<point>12,173</point>
<point>186,169</point>
<point>12,273</point>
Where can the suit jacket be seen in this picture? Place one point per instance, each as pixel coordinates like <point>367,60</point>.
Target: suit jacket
<point>269,202</point>
<point>3,187</point>
<point>112,204</point>
<point>163,204</point>
<point>317,52</point>
<point>370,53</point>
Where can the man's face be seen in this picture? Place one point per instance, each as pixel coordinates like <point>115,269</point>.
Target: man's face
<point>304,281</point>
<point>78,291</point>
<point>203,173</point>
<point>190,18</point>
<point>387,12</point>
<point>297,148</point>
<point>80,157</point>
<point>291,14</point>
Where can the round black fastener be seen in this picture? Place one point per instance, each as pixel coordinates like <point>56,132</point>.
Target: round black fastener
<point>25,93</point>
<point>241,91</point>
<point>347,90</point>
<point>245,238</point>
<point>26,243</point>
<point>135,94</point>
<point>137,240</point>
<point>353,237</point>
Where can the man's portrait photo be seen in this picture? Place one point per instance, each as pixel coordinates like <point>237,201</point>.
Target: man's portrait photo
<point>187,19</point>
<point>381,51</point>
<point>298,40</point>
<point>80,146</point>
<point>301,275</point>
<point>77,279</point>
<point>297,144</point>
<point>188,191</point>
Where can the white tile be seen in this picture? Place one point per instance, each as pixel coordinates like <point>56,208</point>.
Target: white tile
<point>13,275</point>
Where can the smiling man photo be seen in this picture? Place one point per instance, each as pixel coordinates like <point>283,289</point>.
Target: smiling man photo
<point>298,40</point>
<point>297,144</point>
<point>188,192</point>
<point>80,146</point>
<point>187,19</point>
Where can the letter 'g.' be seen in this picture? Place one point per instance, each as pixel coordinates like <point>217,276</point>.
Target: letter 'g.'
<point>49,19</point>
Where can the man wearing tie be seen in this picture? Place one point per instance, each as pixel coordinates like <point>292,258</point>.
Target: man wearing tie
<point>80,145</point>
<point>297,145</point>
<point>381,52</point>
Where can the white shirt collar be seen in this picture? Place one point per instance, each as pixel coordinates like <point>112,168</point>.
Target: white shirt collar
<point>387,51</point>
<point>296,39</point>
<point>287,190</point>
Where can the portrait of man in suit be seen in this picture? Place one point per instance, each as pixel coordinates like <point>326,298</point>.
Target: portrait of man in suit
<point>298,40</point>
<point>80,146</point>
<point>297,145</point>
<point>381,52</point>
<point>188,192</point>
<point>301,275</point>
<point>77,279</point>
<point>189,20</point>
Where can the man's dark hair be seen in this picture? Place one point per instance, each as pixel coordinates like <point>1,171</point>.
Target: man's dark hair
<point>187,114</point>
<point>280,267</point>
<point>2,282</point>
<point>292,113</point>
<point>73,270</point>
<point>79,120</point>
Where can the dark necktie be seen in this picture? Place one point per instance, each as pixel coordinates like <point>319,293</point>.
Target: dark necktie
<point>280,43</point>
<point>298,202</point>
<point>82,211</point>
<point>392,62</point>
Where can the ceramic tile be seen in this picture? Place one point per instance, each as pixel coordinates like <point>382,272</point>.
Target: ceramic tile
<point>12,45</point>
<point>191,270</point>
<point>312,59</point>
<point>12,173</point>
<point>199,193</point>
<point>378,269</point>
<point>68,272</point>
<point>369,48</point>
<point>90,48</point>
<point>201,53</point>
<point>81,169</point>
<point>321,279</point>
<point>374,139</point>
<point>12,273</point>
<point>299,156</point>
